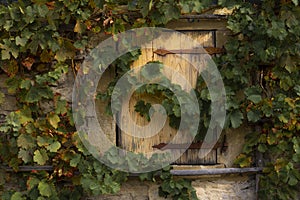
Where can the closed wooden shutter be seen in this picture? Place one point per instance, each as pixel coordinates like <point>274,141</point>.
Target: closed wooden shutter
<point>145,145</point>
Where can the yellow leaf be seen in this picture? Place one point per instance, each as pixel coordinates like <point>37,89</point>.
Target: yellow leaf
<point>54,120</point>
<point>79,27</point>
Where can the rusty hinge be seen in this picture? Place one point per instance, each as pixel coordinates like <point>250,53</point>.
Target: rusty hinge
<point>209,50</point>
<point>198,145</point>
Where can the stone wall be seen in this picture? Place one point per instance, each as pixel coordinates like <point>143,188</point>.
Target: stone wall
<point>237,187</point>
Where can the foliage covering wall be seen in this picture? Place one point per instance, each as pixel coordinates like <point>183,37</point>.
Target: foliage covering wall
<point>40,41</point>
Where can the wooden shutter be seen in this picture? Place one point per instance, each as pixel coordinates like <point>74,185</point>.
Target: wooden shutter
<point>144,145</point>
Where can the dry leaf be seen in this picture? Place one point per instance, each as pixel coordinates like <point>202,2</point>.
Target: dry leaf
<point>28,62</point>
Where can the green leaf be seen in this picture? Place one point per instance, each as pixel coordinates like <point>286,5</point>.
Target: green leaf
<point>262,148</point>
<point>171,12</point>
<point>292,180</point>
<point>145,5</point>
<point>30,14</point>
<point>255,98</point>
<point>5,55</point>
<point>25,155</point>
<point>14,163</point>
<point>40,157</point>
<point>290,64</point>
<point>236,118</point>
<point>32,182</point>
<point>54,120</point>
<point>253,116</point>
<point>143,109</point>
<point>297,89</point>
<point>44,141</point>
<point>61,107</point>
<point>17,196</point>
<point>99,3</point>
<point>24,115</point>
<point>54,146</point>
<point>75,160</point>
<point>253,94</point>
<point>21,41</point>
<point>45,189</point>
<point>177,110</point>
<point>296,145</point>
<point>66,51</point>
<point>296,2</point>
<point>36,93</point>
<point>243,160</point>
<point>26,141</point>
<point>42,10</point>
<point>8,47</point>
<point>25,84</point>
<point>283,119</point>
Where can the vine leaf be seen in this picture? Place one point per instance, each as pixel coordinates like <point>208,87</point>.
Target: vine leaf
<point>99,3</point>
<point>25,155</point>
<point>143,109</point>
<point>262,148</point>
<point>61,107</point>
<point>26,141</point>
<point>17,196</point>
<point>54,146</point>
<point>145,7</point>
<point>177,110</point>
<point>24,115</point>
<point>44,141</point>
<point>79,27</point>
<point>36,93</point>
<point>54,120</point>
<point>40,156</point>
<point>236,118</point>
<point>283,118</point>
<point>253,94</point>
<point>14,163</point>
<point>10,67</point>
<point>243,160</point>
<point>253,116</point>
<point>21,41</point>
<point>32,182</point>
<point>45,189</point>
<point>75,160</point>
<point>255,98</point>
<point>43,10</point>
<point>28,62</point>
<point>66,51</point>
<point>25,84</point>
<point>293,180</point>
<point>8,49</point>
<point>296,2</point>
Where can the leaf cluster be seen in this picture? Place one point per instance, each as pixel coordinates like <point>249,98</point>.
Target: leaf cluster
<point>261,72</point>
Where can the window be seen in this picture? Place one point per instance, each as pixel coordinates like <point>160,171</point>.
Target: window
<point>144,145</point>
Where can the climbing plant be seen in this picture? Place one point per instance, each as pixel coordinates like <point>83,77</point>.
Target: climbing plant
<point>263,61</point>
<point>42,41</point>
